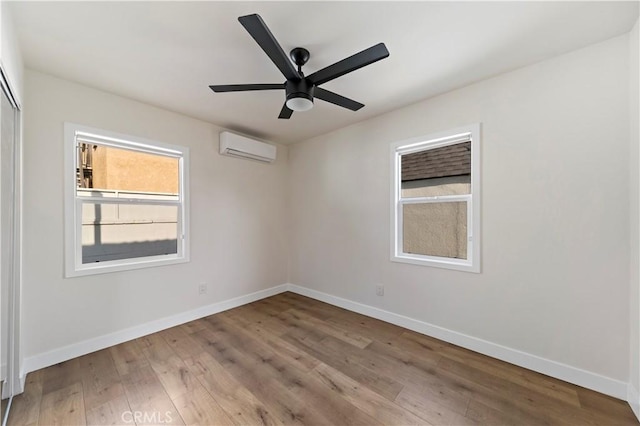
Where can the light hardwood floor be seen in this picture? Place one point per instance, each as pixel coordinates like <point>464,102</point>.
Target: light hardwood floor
<point>292,360</point>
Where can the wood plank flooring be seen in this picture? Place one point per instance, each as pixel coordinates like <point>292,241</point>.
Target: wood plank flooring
<point>290,360</point>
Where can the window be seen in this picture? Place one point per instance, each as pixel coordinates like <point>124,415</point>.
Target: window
<point>436,200</point>
<point>126,203</point>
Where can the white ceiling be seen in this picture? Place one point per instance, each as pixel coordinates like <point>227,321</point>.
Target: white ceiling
<point>167,53</point>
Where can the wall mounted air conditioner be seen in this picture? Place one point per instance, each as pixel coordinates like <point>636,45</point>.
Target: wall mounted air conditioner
<point>241,146</point>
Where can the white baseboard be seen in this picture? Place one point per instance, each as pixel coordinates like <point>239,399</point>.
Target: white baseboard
<point>633,398</point>
<point>577,376</point>
<point>65,353</point>
<point>22,380</point>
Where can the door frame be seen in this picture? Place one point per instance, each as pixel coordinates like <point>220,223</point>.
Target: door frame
<point>14,379</point>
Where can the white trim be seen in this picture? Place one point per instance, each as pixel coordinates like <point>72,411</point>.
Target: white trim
<point>74,350</point>
<point>437,140</point>
<point>122,141</point>
<point>73,266</point>
<point>467,133</point>
<point>633,398</point>
<point>577,376</point>
<point>22,380</point>
<point>11,374</point>
<point>107,267</point>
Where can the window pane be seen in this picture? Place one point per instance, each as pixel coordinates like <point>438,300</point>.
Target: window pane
<point>438,171</point>
<point>123,231</point>
<point>115,169</point>
<point>435,229</point>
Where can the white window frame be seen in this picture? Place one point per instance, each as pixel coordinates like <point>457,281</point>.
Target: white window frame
<point>73,203</point>
<point>470,133</point>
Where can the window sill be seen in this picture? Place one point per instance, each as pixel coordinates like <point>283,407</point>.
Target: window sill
<point>437,262</point>
<point>115,266</point>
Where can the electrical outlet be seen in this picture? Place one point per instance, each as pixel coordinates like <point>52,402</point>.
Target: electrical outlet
<point>202,288</point>
<point>380,290</point>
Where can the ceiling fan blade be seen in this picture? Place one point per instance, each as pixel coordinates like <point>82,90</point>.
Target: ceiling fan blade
<point>261,34</point>
<point>352,63</point>
<point>285,112</point>
<point>245,87</point>
<point>336,99</point>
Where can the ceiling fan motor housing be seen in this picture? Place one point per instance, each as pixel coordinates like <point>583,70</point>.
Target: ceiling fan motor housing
<point>299,89</point>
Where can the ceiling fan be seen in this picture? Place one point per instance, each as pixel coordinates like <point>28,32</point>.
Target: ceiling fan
<point>300,89</point>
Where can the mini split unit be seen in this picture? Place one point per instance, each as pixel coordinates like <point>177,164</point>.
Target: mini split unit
<point>243,147</point>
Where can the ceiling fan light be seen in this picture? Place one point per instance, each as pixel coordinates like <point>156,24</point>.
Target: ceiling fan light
<point>299,104</point>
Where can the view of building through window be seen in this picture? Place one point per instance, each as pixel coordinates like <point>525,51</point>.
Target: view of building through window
<point>128,211</point>
<point>436,223</point>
